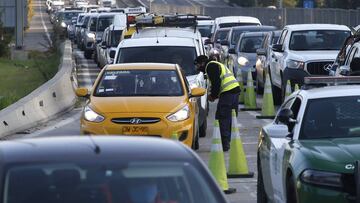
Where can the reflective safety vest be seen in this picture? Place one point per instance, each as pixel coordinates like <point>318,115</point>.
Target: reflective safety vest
<point>228,81</point>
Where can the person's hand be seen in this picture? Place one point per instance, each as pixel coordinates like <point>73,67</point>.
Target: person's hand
<point>211,98</point>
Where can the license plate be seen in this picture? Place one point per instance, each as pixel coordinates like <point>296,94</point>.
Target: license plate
<point>135,130</point>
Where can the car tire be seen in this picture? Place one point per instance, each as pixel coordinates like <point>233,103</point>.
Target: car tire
<point>276,93</point>
<point>88,54</point>
<point>202,129</point>
<point>290,190</point>
<point>261,194</point>
<point>195,144</point>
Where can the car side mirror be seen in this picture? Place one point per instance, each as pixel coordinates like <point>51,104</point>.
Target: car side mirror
<point>231,51</point>
<point>277,48</point>
<point>261,52</point>
<point>278,131</point>
<point>207,42</point>
<point>197,92</point>
<point>285,116</point>
<point>224,43</point>
<point>82,92</point>
<point>103,45</point>
<point>344,70</point>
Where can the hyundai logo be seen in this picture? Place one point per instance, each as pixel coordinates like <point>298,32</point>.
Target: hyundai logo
<point>135,121</point>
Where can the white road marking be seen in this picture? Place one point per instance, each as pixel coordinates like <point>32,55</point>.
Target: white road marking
<point>44,26</point>
<point>53,127</point>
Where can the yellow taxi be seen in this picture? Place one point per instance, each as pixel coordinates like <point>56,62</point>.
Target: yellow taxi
<point>152,99</point>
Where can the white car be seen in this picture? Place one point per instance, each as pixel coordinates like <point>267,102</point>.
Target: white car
<point>175,50</point>
<point>231,21</point>
<point>106,50</point>
<point>304,50</point>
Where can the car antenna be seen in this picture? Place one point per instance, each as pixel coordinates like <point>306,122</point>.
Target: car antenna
<point>157,37</point>
<point>97,149</point>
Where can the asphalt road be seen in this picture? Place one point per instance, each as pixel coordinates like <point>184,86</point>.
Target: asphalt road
<point>249,126</point>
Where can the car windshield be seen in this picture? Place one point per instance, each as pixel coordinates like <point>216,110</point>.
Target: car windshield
<point>104,22</point>
<point>184,56</point>
<point>205,30</point>
<point>250,44</point>
<point>115,37</point>
<point>221,35</point>
<point>336,117</point>
<point>136,182</point>
<point>317,40</point>
<point>139,83</point>
<point>236,33</point>
<point>235,24</point>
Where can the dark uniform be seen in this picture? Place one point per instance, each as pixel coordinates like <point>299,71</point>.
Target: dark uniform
<point>224,87</point>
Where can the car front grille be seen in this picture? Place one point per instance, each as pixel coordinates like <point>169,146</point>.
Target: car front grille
<point>135,120</point>
<point>318,68</point>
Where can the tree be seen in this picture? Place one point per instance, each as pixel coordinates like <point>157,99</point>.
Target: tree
<point>244,3</point>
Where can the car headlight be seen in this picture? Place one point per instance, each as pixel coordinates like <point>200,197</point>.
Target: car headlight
<point>321,178</point>
<point>92,116</point>
<point>180,115</point>
<point>242,61</point>
<point>91,36</point>
<point>295,64</point>
<point>63,24</point>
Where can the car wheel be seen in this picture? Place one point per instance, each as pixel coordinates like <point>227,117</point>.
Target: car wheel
<point>276,93</point>
<point>290,190</point>
<point>87,54</point>
<point>203,127</point>
<point>195,143</point>
<point>261,194</point>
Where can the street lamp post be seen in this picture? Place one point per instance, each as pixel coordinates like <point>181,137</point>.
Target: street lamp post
<point>150,5</point>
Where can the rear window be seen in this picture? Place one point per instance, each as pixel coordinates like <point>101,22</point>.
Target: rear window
<point>205,30</point>
<point>184,56</point>
<point>104,22</point>
<point>250,44</point>
<point>221,35</point>
<point>115,37</point>
<point>139,83</point>
<point>135,182</point>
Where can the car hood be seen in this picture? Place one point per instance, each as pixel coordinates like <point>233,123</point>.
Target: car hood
<point>305,56</point>
<point>338,150</point>
<point>137,104</point>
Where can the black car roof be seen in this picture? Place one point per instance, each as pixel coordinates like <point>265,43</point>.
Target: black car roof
<point>84,148</point>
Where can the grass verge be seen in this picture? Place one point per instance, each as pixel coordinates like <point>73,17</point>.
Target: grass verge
<point>19,78</point>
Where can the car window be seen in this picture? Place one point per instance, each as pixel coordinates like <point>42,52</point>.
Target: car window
<point>136,182</point>
<point>184,56</point>
<point>221,35</point>
<point>103,23</point>
<point>336,117</point>
<point>283,36</point>
<point>115,37</point>
<point>139,83</point>
<point>250,44</point>
<point>93,24</point>
<point>286,105</point>
<point>295,107</point>
<point>205,30</point>
<point>353,52</point>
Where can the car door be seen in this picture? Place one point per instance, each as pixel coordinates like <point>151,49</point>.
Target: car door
<point>270,154</point>
<point>277,61</point>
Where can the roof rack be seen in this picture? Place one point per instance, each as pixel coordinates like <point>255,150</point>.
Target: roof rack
<point>312,82</point>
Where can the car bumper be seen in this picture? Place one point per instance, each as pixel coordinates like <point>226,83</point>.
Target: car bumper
<point>163,128</point>
<point>309,193</point>
<point>296,76</point>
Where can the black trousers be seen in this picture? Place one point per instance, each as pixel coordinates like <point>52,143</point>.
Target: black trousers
<point>227,102</point>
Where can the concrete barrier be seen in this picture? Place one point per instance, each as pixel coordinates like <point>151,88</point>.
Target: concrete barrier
<point>55,96</point>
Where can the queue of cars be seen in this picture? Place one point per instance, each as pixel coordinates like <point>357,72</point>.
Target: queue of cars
<point>307,154</point>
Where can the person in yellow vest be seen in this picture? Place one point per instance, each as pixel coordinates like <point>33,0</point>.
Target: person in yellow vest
<point>224,87</point>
